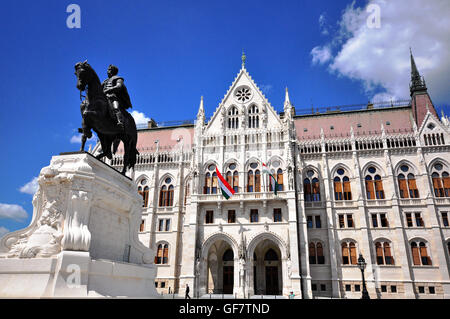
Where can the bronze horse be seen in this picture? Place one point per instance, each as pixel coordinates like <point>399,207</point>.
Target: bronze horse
<point>96,115</point>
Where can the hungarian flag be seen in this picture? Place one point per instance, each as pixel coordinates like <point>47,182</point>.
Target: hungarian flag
<point>227,190</point>
<point>273,180</point>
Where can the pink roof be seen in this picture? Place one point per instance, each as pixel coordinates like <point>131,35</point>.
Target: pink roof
<point>167,138</point>
<point>421,104</point>
<point>370,121</point>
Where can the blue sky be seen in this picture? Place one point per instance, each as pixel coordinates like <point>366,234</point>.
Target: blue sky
<point>172,52</point>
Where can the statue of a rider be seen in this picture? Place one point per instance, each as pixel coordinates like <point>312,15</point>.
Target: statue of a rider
<point>117,95</point>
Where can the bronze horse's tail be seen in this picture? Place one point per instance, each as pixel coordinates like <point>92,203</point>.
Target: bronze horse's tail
<point>132,145</point>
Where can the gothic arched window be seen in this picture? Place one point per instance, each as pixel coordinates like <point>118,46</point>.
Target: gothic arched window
<point>348,253</point>
<point>407,183</point>
<point>420,253</point>
<point>311,186</point>
<point>253,116</point>
<point>232,176</point>
<point>233,118</point>
<point>162,254</point>
<point>384,254</point>
<point>210,186</point>
<point>166,193</point>
<point>342,188</point>
<point>316,253</point>
<point>143,191</point>
<point>374,184</point>
<point>441,180</point>
<point>254,178</point>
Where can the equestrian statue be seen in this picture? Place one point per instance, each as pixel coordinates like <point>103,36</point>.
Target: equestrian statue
<point>104,110</point>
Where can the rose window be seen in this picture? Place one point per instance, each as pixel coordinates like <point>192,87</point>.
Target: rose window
<point>243,94</point>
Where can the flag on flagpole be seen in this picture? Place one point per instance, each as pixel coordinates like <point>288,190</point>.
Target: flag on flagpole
<point>227,190</point>
<point>273,180</point>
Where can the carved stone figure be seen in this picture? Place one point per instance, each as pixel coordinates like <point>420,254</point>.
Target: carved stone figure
<point>289,267</point>
<point>45,241</point>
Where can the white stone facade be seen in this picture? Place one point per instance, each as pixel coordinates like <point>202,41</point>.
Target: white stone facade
<point>197,245</point>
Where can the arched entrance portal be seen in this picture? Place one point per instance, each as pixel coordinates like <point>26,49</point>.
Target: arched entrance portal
<point>267,269</point>
<point>220,268</point>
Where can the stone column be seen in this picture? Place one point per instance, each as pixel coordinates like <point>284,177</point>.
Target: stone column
<point>333,242</point>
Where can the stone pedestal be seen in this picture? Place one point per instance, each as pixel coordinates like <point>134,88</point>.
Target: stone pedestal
<point>83,237</point>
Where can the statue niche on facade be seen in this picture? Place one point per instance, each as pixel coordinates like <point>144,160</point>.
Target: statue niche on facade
<point>104,111</point>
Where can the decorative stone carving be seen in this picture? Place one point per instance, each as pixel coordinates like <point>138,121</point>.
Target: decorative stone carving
<point>289,266</point>
<point>45,241</point>
<point>71,189</point>
<point>84,213</point>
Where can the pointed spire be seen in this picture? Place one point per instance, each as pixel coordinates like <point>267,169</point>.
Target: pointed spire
<point>201,110</point>
<point>243,57</point>
<point>287,96</point>
<point>287,104</point>
<point>417,82</point>
<point>201,113</point>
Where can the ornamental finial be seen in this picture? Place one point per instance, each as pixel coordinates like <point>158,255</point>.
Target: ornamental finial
<point>243,59</point>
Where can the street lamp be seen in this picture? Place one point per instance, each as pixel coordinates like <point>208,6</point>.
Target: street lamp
<point>362,265</point>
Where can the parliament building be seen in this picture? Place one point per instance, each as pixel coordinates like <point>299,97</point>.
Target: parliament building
<point>370,180</point>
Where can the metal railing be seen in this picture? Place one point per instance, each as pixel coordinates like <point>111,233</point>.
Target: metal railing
<point>351,107</point>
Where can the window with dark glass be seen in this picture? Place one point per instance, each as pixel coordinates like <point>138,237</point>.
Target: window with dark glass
<point>318,223</point>
<point>167,228</point>
<point>253,215</point>
<point>374,220</point>
<point>409,221</point>
<point>209,217</point>
<point>444,219</point>
<point>341,221</point>
<point>350,220</point>
<point>231,216</point>
<point>309,221</point>
<point>277,215</point>
<point>419,220</point>
<point>383,220</point>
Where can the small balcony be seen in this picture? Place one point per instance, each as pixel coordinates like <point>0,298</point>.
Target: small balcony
<point>442,200</point>
<point>281,195</point>
<point>345,203</point>
<point>412,201</point>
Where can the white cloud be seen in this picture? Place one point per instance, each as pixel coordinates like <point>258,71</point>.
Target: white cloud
<point>76,139</point>
<point>379,57</point>
<point>3,231</point>
<point>320,55</point>
<point>30,187</point>
<point>140,118</point>
<point>323,24</point>
<point>12,211</point>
